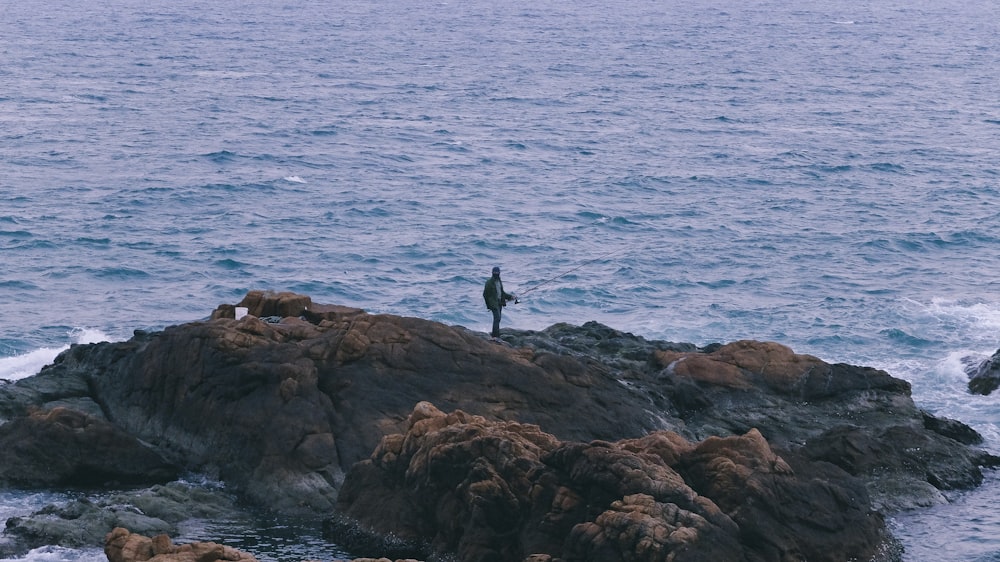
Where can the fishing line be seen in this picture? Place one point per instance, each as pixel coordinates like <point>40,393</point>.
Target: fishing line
<point>565,273</point>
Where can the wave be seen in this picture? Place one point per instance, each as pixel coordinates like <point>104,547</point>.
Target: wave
<point>901,337</point>
<point>221,156</point>
<point>17,284</point>
<point>30,363</point>
<point>120,273</point>
<point>60,554</point>
<point>976,317</point>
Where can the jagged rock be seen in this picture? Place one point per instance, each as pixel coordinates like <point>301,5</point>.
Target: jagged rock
<point>504,491</point>
<point>63,447</point>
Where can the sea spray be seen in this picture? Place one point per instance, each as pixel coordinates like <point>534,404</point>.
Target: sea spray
<point>30,363</point>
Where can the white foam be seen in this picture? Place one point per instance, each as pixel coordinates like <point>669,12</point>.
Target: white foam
<point>88,335</point>
<point>294,179</point>
<point>980,315</point>
<point>28,364</point>
<point>60,554</point>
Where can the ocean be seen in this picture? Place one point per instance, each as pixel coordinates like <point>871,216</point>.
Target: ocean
<point>824,175</point>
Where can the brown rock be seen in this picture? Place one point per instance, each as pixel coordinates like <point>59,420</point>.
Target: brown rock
<point>799,513</point>
<point>122,546</point>
<point>737,364</point>
<point>780,368</point>
<point>487,490</point>
<point>704,369</point>
<point>268,303</point>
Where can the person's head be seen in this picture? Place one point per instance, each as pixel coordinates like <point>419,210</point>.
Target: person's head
<point>496,272</point>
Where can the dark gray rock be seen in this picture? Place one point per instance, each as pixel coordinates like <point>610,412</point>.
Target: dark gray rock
<point>984,376</point>
<point>81,523</point>
<point>151,511</point>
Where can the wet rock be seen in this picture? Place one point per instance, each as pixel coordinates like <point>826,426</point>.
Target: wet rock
<point>81,523</point>
<point>151,511</point>
<point>60,388</point>
<point>952,429</point>
<point>897,458</point>
<point>984,376</point>
<point>350,533</point>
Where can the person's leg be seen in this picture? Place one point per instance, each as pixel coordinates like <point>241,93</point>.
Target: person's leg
<point>496,323</point>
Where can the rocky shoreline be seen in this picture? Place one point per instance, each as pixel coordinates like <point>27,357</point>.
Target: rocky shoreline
<point>413,439</point>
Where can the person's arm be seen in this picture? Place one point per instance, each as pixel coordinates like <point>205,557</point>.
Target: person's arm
<point>508,297</point>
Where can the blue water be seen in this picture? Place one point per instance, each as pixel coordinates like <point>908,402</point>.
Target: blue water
<point>822,176</point>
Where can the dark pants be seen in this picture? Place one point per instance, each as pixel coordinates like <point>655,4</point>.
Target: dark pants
<point>496,322</point>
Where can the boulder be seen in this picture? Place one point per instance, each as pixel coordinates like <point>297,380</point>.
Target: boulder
<point>505,491</point>
<point>120,545</point>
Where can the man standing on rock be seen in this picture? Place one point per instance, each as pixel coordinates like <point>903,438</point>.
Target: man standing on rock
<point>496,299</point>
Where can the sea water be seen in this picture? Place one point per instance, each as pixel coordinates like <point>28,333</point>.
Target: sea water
<point>824,175</point>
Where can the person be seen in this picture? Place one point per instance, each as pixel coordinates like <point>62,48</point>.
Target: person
<point>496,299</point>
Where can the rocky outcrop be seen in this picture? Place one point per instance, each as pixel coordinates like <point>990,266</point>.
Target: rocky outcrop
<point>283,402</point>
<point>63,447</point>
<point>489,490</point>
<point>282,410</point>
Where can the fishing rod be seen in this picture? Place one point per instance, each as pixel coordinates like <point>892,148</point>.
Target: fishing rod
<point>517,298</point>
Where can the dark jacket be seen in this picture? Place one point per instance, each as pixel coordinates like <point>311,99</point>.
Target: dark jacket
<point>494,294</point>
